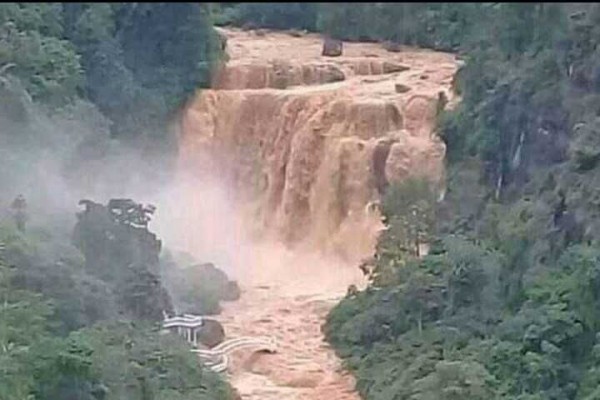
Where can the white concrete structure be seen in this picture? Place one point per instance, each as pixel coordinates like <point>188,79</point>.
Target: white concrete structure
<point>186,326</point>
<point>217,357</point>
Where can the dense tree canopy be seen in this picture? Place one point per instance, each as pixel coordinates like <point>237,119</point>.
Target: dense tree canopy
<point>136,62</point>
<point>86,325</point>
<point>504,306</point>
<point>84,86</point>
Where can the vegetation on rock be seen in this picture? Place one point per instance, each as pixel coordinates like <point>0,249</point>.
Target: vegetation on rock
<point>87,92</point>
<point>503,306</point>
<point>71,330</point>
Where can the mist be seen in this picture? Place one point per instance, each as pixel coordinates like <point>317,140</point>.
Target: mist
<point>197,215</point>
<point>56,159</point>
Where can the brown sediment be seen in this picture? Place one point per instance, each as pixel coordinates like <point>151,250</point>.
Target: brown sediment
<point>303,143</point>
<point>315,132</point>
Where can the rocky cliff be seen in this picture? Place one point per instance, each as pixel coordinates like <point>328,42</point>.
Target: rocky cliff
<point>305,142</point>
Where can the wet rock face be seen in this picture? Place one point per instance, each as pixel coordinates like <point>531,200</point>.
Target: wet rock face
<point>312,150</point>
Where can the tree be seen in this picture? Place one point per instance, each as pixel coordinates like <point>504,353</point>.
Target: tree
<point>454,380</point>
<point>276,15</point>
<point>119,249</point>
<point>30,40</point>
<point>24,322</point>
<point>409,209</point>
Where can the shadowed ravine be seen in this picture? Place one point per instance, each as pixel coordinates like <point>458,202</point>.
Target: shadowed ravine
<point>279,163</point>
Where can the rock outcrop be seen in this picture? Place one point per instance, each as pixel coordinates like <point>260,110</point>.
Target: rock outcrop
<point>307,142</point>
<point>200,288</point>
<point>211,333</point>
<point>332,47</point>
<point>217,280</point>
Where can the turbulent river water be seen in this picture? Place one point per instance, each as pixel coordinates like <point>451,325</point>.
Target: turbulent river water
<point>279,164</point>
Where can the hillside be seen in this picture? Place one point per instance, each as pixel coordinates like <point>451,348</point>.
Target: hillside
<point>463,162</point>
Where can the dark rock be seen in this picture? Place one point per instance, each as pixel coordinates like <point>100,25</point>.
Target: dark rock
<point>236,395</point>
<point>209,272</point>
<point>214,283</point>
<point>457,79</point>
<point>352,291</point>
<point>390,67</point>
<point>232,291</point>
<point>400,88</point>
<point>211,333</point>
<point>332,47</point>
<point>442,102</point>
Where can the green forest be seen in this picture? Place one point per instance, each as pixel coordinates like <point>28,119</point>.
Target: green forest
<point>85,88</point>
<point>504,306</point>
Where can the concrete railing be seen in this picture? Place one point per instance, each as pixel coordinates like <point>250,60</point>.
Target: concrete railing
<point>217,357</point>
<point>219,365</point>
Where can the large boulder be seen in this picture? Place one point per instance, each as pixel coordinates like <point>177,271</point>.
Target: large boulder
<point>226,289</point>
<point>401,88</point>
<point>211,333</point>
<point>236,395</point>
<point>332,47</point>
<point>199,289</point>
<point>231,291</point>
